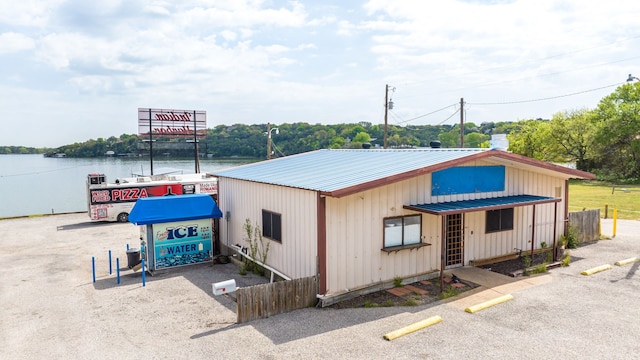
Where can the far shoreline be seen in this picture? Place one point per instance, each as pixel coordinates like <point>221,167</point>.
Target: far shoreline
<point>40,215</point>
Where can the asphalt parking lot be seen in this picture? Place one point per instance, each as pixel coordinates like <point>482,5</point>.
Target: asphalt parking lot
<point>51,308</point>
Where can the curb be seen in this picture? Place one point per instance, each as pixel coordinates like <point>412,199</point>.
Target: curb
<point>596,270</point>
<point>627,261</point>
<point>413,327</point>
<point>489,303</point>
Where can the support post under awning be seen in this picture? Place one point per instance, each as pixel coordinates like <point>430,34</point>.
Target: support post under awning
<point>533,231</point>
<point>442,250</point>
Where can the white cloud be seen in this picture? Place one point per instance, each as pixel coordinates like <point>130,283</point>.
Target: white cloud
<point>11,42</point>
<point>229,35</point>
<point>254,61</point>
<point>36,13</point>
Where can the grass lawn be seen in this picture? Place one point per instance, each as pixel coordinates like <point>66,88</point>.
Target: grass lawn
<point>595,195</point>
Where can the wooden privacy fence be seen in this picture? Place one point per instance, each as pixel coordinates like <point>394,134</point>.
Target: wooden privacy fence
<point>586,224</point>
<point>263,301</point>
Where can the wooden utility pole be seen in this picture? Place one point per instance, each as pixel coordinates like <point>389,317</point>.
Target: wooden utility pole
<point>386,110</point>
<point>461,122</point>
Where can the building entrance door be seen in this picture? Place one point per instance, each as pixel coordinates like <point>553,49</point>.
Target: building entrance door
<point>454,241</point>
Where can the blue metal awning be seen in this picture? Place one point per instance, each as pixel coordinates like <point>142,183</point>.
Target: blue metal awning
<point>456,207</point>
<point>163,209</point>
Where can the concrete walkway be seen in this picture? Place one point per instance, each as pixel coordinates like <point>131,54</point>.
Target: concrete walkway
<point>492,285</point>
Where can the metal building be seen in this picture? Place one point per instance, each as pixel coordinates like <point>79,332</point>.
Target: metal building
<point>360,218</point>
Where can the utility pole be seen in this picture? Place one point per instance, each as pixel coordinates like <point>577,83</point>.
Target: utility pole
<point>269,130</point>
<point>386,110</point>
<point>268,141</point>
<point>195,143</point>
<point>150,144</point>
<point>461,122</point>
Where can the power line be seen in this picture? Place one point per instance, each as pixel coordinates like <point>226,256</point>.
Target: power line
<point>445,120</point>
<point>546,98</point>
<point>427,114</point>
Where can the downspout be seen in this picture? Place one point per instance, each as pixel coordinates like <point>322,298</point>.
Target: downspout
<point>321,235</point>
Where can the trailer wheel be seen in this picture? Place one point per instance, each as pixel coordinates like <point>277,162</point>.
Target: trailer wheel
<point>123,217</point>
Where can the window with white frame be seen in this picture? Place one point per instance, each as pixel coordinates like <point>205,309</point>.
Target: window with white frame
<point>402,231</point>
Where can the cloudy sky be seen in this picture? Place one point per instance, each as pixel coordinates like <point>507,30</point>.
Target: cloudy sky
<point>74,70</point>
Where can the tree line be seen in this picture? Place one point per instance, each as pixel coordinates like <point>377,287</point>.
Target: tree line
<point>604,140</point>
<point>241,140</point>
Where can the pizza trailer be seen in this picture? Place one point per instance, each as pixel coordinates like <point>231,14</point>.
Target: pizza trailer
<point>175,230</point>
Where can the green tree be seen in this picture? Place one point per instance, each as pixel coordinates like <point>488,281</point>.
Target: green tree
<point>571,138</point>
<point>475,140</point>
<point>362,137</point>
<point>531,139</point>
<point>449,139</point>
<point>617,138</point>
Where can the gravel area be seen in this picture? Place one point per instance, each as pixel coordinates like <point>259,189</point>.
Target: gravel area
<point>51,308</point>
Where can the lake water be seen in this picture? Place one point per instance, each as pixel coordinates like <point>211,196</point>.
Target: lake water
<point>34,184</point>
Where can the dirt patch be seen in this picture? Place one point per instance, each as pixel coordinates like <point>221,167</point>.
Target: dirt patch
<point>418,293</point>
<point>516,267</point>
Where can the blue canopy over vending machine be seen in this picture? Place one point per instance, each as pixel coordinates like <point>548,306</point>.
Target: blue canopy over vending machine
<point>175,230</point>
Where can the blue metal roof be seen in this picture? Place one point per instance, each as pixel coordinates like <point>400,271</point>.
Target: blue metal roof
<point>481,204</point>
<point>332,170</point>
<point>163,209</point>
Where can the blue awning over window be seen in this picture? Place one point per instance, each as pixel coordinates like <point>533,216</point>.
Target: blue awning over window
<point>456,207</point>
<point>163,209</point>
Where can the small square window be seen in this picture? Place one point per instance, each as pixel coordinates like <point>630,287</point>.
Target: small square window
<point>272,225</point>
<point>499,220</point>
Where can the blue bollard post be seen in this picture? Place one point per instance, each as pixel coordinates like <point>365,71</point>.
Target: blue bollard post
<point>93,267</point>
<point>127,246</point>
<point>110,266</point>
<point>118,270</point>
<point>144,276</point>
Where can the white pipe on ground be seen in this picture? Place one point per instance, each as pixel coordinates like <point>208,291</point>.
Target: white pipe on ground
<point>239,249</point>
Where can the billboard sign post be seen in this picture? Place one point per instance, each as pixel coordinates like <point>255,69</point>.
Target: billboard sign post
<point>173,124</point>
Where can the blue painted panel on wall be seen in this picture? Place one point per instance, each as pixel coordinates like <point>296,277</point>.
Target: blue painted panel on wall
<point>467,179</point>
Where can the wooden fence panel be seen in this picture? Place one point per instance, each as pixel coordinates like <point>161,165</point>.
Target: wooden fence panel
<point>263,301</point>
<point>587,224</point>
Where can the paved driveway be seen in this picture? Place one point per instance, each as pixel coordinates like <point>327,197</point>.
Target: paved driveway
<point>51,308</point>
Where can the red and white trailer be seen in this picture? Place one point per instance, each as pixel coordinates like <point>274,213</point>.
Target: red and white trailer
<point>114,201</point>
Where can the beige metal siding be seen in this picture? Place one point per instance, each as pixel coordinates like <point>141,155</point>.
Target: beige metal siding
<point>355,238</point>
<point>479,245</point>
<point>355,228</point>
<point>296,255</point>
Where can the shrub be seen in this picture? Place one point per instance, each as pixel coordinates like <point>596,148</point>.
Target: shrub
<point>257,248</point>
<point>449,292</point>
<point>538,269</point>
<point>369,304</point>
<point>387,303</point>
<point>410,302</point>
<point>571,237</point>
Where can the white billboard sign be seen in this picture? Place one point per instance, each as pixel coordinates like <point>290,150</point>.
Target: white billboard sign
<point>172,123</point>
